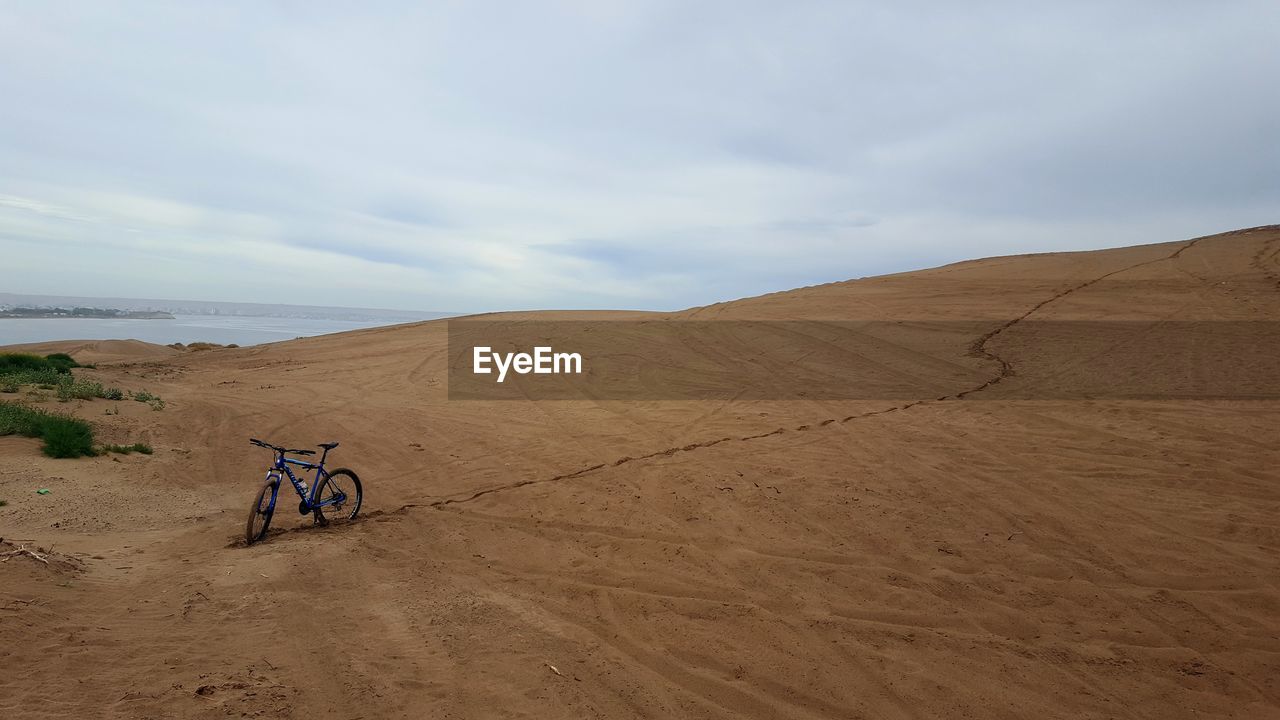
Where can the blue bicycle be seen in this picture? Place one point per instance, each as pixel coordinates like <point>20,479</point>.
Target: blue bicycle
<point>337,491</point>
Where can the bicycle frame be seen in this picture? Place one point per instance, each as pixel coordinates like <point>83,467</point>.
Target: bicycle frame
<point>308,497</point>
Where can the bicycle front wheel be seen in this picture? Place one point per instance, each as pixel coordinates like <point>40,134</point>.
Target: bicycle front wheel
<point>264,505</point>
<point>338,496</point>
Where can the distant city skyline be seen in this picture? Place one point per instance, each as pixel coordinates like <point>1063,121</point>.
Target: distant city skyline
<point>198,307</point>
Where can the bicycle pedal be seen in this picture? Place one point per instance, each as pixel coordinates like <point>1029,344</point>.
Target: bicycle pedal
<point>303,508</point>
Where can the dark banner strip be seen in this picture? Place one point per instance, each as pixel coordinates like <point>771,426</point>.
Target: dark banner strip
<point>872,360</point>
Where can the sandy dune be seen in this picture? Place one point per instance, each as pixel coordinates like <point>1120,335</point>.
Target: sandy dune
<point>968,556</point>
<point>99,351</point>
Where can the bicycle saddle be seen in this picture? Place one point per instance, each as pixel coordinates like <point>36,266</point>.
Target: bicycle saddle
<point>328,445</point>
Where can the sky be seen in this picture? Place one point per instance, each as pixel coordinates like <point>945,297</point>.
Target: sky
<point>475,156</point>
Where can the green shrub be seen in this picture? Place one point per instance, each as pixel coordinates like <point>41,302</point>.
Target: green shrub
<point>153,400</point>
<point>11,362</point>
<point>70,388</point>
<point>18,419</point>
<point>59,363</point>
<point>64,436</point>
<point>112,394</point>
<point>46,372</point>
<point>46,376</point>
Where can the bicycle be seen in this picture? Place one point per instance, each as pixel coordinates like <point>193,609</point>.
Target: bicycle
<point>335,490</point>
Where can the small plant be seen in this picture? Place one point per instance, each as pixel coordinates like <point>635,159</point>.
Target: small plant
<point>9,386</point>
<point>61,362</point>
<point>38,377</point>
<point>28,369</point>
<point>12,363</point>
<point>37,395</point>
<point>64,436</point>
<point>67,438</point>
<point>154,401</point>
<point>143,448</point>
<point>70,388</point>
<point>3,503</point>
<point>112,394</point>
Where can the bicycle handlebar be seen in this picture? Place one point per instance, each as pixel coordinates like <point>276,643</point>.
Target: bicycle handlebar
<point>277,448</point>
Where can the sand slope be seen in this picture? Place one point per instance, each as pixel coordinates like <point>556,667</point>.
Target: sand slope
<point>958,557</point>
<point>98,351</point>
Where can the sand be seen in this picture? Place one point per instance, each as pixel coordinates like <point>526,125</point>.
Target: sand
<point>99,351</point>
<point>970,556</point>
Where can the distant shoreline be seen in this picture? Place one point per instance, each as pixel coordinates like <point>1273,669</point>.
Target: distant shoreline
<point>82,314</point>
<point>11,302</point>
<point>219,329</point>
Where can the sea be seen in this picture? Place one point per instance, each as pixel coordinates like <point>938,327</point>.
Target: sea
<point>221,329</point>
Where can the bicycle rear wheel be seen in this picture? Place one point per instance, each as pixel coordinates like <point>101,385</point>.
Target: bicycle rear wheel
<point>339,495</point>
<point>264,505</point>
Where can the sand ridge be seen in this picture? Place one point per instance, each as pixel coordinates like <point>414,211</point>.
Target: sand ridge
<point>959,556</point>
<point>98,351</point>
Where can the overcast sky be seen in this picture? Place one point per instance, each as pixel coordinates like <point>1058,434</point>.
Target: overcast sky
<point>474,156</point>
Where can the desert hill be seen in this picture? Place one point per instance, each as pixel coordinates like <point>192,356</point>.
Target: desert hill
<point>98,351</point>
<point>992,550</point>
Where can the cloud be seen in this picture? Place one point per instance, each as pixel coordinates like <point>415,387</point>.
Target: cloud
<point>480,156</point>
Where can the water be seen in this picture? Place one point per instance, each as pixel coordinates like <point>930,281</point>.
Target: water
<point>221,329</point>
